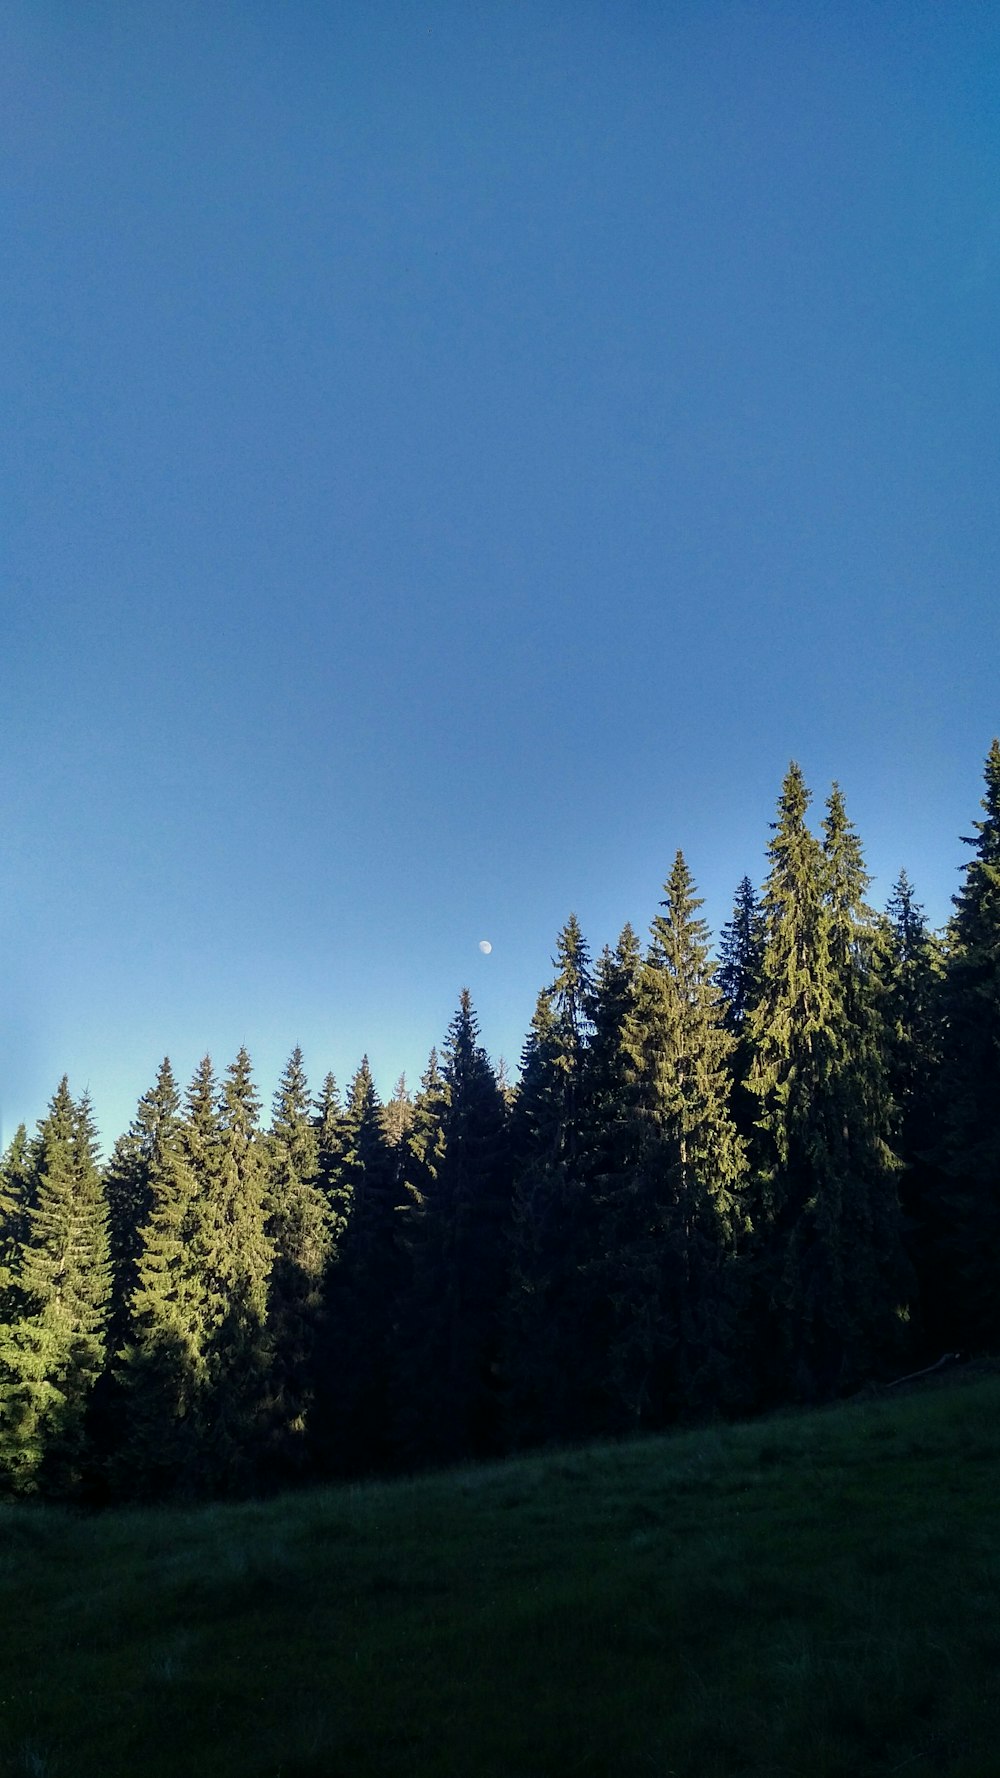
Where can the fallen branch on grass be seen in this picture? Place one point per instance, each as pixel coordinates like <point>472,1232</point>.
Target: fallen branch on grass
<point>947,1358</point>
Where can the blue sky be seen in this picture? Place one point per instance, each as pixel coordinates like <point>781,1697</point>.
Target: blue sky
<point>455,455</point>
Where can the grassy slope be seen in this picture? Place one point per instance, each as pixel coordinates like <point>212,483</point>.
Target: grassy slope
<point>816,1595</point>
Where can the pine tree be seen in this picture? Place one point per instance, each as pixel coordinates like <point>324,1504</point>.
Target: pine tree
<point>51,1357</point>
<point>912,970</point>
<point>331,1141</point>
<point>535,1112</point>
<point>609,1123</point>
<point>127,1184</point>
<point>362,1290</point>
<point>126,1188</point>
<point>203,1134</point>
<point>879,1285</point>
<point>673,1220</point>
<point>28,1398</point>
<point>606,1164</point>
<point>828,1264</point>
<point>163,1366</point>
<point>548,1388</point>
<point>968,1151</point>
<point>741,949</point>
<point>397,1116</point>
<point>237,1258</point>
<point>16,1174</point>
<point>421,1159</point>
<point>787,1031</point>
<point>299,1227</point>
<point>505,1086</point>
<point>423,1149</point>
<point>447,1359</point>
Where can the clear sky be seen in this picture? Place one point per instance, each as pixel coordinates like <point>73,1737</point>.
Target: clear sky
<point>454,455</point>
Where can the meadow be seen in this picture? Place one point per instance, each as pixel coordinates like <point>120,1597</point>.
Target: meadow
<point>816,1594</point>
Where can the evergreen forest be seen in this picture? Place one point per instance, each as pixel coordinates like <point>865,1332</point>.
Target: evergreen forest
<point>727,1178</point>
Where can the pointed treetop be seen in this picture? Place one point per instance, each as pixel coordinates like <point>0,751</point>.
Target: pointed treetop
<point>327,1103</point>
<point>572,954</point>
<point>741,947</point>
<point>617,974</point>
<point>847,878</point>
<point>204,1088</point>
<point>794,798</point>
<point>432,1077</point>
<point>362,1099</point>
<point>291,1101</point>
<point>397,1115</point>
<point>85,1132</point>
<point>679,939</point>
<point>628,942</point>
<point>573,988</point>
<point>906,916</point>
<point>463,1053</point>
<point>240,1097</point>
<point>795,877</point>
<point>158,1110</point>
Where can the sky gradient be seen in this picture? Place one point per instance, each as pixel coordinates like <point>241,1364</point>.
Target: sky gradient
<point>454,456</point>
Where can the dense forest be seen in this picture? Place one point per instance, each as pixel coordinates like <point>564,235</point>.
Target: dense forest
<point>721,1183</point>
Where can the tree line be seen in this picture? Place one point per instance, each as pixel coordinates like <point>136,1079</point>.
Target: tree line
<point>722,1182</point>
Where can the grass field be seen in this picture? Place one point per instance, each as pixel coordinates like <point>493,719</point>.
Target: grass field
<point>817,1594</point>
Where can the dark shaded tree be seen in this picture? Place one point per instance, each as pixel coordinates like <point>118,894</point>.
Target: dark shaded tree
<point>448,1360</point>
<point>912,970</point>
<point>53,1352</point>
<point>741,954</point>
<point>299,1229</point>
<point>968,1151</point>
<point>237,1258</point>
<point>162,1368</point>
<point>127,1185</point>
<point>672,1223</point>
<point>362,1291</point>
<point>547,1383</point>
<point>331,1143</point>
<point>879,1283</point>
<point>829,1271</point>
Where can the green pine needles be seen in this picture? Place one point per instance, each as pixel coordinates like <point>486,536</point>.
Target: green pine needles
<point>725,1178</point>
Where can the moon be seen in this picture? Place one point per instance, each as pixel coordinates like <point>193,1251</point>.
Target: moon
<point>485,946</point>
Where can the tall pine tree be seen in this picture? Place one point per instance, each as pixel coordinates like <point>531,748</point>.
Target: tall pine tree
<point>879,1285</point>
<point>548,1384</point>
<point>673,1221</point>
<point>162,1369</point>
<point>53,1354</point>
<point>968,1152</point>
<point>362,1290</point>
<point>448,1354</point>
<point>741,952</point>
<point>830,1281</point>
<point>299,1226</point>
<point>912,968</point>
<point>397,1116</point>
<point>237,1257</point>
<point>15,1199</point>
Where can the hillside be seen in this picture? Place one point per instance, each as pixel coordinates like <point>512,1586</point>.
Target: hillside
<point>816,1594</point>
